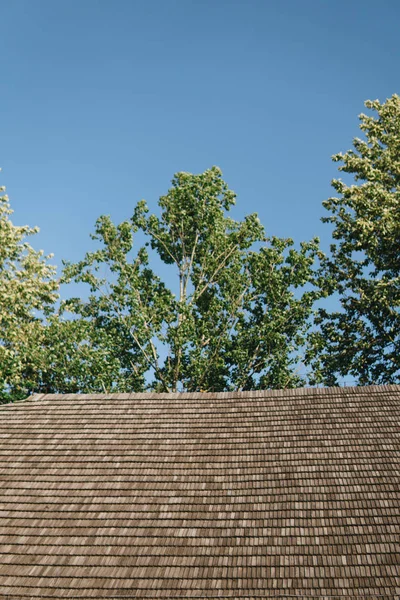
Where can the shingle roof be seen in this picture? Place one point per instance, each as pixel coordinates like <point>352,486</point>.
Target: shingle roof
<point>229,495</point>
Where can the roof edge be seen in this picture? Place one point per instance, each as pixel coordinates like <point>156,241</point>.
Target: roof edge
<point>288,392</point>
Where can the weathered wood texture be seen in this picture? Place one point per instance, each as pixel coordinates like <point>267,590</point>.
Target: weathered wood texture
<point>229,495</point>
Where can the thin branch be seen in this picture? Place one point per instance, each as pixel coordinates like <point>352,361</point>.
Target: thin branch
<point>155,365</point>
<point>115,306</point>
<point>150,232</point>
<point>190,265</point>
<point>229,325</point>
<point>211,281</point>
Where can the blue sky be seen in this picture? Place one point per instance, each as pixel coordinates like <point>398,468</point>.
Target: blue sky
<point>103,101</point>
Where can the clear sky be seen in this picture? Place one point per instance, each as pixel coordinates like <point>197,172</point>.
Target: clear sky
<point>102,101</point>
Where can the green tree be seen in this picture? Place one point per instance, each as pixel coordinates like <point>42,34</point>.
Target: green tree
<point>363,338</point>
<point>237,316</point>
<point>28,290</point>
<point>81,356</point>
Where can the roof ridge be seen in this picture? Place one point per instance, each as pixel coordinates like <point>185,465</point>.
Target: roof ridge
<point>287,392</point>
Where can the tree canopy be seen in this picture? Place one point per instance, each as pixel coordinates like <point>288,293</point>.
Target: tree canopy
<point>236,316</point>
<point>28,290</point>
<point>362,339</point>
<point>189,299</point>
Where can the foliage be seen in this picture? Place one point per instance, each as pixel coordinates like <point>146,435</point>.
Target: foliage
<point>238,313</point>
<point>79,356</point>
<point>363,339</point>
<point>28,291</point>
<point>237,317</point>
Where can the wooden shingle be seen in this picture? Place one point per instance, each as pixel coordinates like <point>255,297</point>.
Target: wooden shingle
<point>278,494</point>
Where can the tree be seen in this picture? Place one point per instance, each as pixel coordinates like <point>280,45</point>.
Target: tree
<point>28,290</point>
<point>78,356</point>
<point>363,338</point>
<point>237,316</point>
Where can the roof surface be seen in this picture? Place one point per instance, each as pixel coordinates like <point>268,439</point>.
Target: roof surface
<point>229,495</point>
